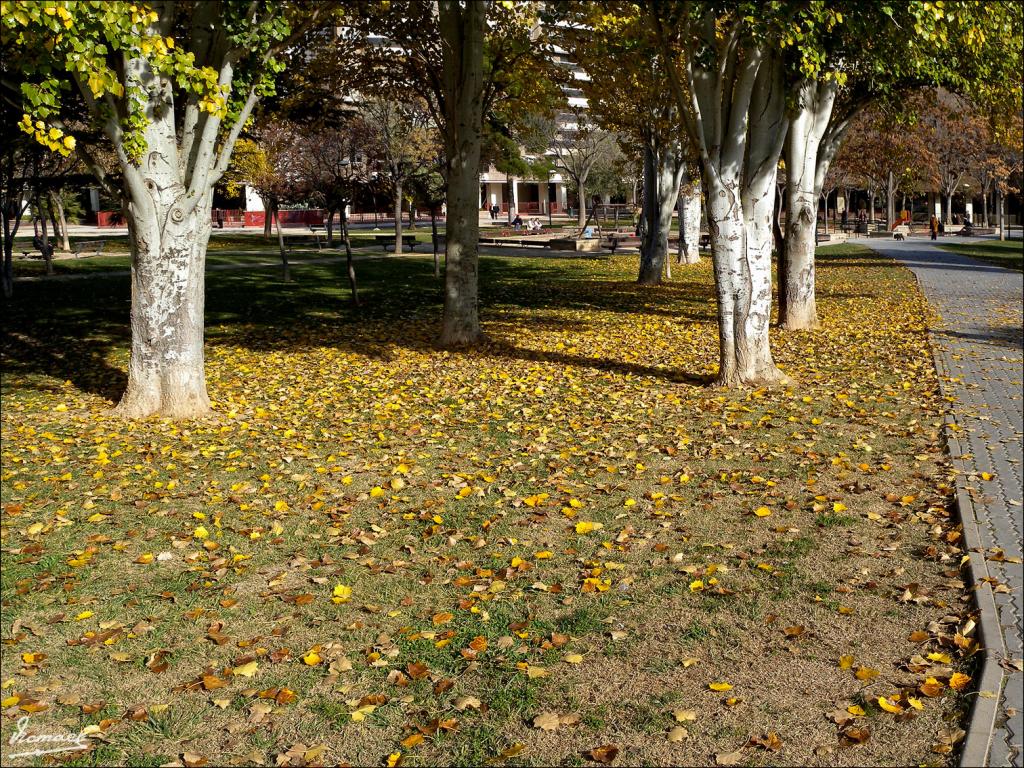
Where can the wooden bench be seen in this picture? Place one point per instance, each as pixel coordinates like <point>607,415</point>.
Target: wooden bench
<point>820,237</point>
<point>616,239</point>
<point>305,242</point>
<point>705,242</point>
<point>513,241</point>
<point>85,246</point>
<point>408,241</point>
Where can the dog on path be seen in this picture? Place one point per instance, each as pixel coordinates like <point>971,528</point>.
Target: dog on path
<point>898,236</point>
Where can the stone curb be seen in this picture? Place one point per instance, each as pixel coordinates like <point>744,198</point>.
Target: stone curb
<point>982,718</point>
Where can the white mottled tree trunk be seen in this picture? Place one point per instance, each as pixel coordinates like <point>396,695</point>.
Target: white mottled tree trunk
<point>689,219</point>
<point>805,171</point>
<point>741,189</point>
<point>165,371</point>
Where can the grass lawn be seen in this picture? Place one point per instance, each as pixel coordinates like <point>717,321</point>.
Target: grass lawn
<point>228,248</point>
<point>555,547</point>
<point>1006,253</point>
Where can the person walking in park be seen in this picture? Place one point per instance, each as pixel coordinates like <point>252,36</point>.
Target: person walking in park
<point>495,210</point>
<point>933,226</point>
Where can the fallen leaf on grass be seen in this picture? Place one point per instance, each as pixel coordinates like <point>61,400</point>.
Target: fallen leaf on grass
<point>605,754</point>
<point>546,721</point>
<point>729,758</point>
<point>246,670</point>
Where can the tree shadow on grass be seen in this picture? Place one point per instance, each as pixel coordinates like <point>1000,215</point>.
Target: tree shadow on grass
<point>68,330</point>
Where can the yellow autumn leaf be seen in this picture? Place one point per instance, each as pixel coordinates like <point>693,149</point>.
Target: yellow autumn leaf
<point>958,681</point>
<point>720,686</point>
<point>311,659</point>
<point>246,670</point>
<point>342,593</point>
<point>762,511</point>
<point>888,706</point>
<point>586,526</point>
<point>866,673</point>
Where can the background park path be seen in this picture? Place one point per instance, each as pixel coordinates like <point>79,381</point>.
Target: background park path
<point>978,348</point>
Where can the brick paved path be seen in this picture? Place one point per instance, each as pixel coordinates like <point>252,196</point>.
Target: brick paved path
<point>979,343</point>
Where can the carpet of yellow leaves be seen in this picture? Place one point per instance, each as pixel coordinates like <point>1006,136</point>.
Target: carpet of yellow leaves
<point>378,552</point>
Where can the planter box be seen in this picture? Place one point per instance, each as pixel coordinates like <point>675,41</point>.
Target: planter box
<point>572,244</point>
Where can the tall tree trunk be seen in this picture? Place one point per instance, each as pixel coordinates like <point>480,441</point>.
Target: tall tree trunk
<point>433,240</point>
<point>268,218</point>
<point>412,215</point>
<point>286,273</point>
<point>168,242</point>
<point>349,264</point>
<point>12,213</point>
<point>739,177</point>
<point>330,227</point>
<point>581,217</point>
<point>8,265</point>
<point>890,200</point>
<point>804,178</point>
<point>51,212</point>
<point>63,221</point>
<point>984,208</point>
<point>398,217</point>
<point>662,175</point>
<point>44,236</point>
<point>947,213</point>
<point>1001,214</point>
<point>690,216</point>
<point>462,34</point>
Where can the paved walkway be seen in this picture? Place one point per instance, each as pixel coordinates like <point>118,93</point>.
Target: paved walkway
<point>979,344</point>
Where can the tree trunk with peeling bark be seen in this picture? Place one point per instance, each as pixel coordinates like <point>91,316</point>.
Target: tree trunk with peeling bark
<point>689,219</point>
<point>462,35</point>
<point>62,221</point>
<point>166,369</point>
<point>433,240</point>
<point>740,181</point>
<point>286,272</point>
<point>662,176</point>
<point>45,238</point>
<point>398,217</point>
<point>349,264</point>
<point>806,165</point>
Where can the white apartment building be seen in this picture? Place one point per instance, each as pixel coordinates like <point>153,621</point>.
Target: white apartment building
<point>531,195</point>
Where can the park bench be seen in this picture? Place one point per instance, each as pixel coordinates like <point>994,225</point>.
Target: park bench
<point>305,242</point>
<point>88,246</point>
<point>821,237</point>
<point>517,242</point>
<point>705,242</point>
<point>616,239</point>
<point>408,241</point>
